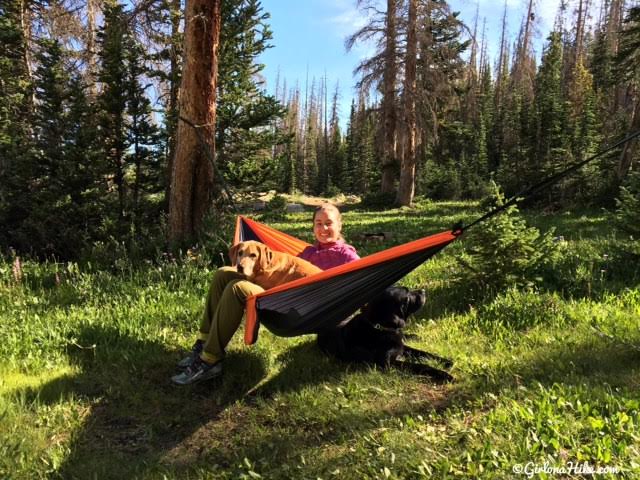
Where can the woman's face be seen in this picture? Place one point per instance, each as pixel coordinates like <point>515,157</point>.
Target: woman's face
<point>326,226</point>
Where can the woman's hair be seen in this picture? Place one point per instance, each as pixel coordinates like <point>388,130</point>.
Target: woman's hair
<point>329,207</point>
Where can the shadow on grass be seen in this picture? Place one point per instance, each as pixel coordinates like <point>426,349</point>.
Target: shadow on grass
<point>139,424</point>
<point>587,362</point>
<point>595,362</point>
<point>136,414</point>
<point>303,365</point>
<point>282,429</point>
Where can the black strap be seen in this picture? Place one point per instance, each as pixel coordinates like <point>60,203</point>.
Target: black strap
<point>459,228</point>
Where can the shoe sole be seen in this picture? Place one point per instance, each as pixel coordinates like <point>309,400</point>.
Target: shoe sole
<point>209,375</point>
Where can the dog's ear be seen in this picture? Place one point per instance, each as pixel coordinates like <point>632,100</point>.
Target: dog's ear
<point>266,256</point>
<point>233,253</point>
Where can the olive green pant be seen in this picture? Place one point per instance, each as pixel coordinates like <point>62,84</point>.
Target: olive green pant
<point>223,311</point>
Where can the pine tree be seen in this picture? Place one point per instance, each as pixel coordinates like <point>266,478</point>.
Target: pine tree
<point>84,166</point>
<point>381,71</point>
<point>627,213</point>
<point>51,93</point>
<point>506,251</point>
<point>38,173</point>
<point>351,169</point>
<point>337,175</point>
<point>15,119</point>
<point>628,73</point>
<point>550,142</point>
<point>406,187</point>
<point>63,209</point>
<point>142,136</point>
<point>442,72</point>
<point>163,20</point>
<point>114,40</point>
<point>244,144</point>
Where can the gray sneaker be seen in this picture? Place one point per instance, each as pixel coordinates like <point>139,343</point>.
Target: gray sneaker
<point>196,350</point>
<point>198,371</point>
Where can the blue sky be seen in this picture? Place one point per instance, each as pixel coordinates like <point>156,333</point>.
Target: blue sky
<point>309,35</point>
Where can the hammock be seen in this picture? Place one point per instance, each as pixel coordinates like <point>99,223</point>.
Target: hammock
<point>313,304</point>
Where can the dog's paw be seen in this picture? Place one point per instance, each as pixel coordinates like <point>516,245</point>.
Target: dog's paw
<point>446,363</point>
<point>442,377</point>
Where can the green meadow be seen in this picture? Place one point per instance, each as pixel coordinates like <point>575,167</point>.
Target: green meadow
<point>547,377</point>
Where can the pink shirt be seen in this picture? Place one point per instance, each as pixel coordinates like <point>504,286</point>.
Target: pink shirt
<point>329,255</point>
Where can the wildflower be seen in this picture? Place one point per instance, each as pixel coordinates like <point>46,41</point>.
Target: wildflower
<point>17,270</point>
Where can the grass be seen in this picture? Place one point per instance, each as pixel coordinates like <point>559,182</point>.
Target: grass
<point>547,376</point>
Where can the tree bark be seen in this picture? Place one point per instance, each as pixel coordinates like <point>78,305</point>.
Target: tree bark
<point>90,49</point>
<point>174,86</point>
<point>389,101</point>
<point>192,172</point>
<point>406,189</point>
<point>628,152</point>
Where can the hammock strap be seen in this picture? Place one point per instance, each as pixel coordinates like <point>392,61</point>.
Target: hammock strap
<point>529,191</point>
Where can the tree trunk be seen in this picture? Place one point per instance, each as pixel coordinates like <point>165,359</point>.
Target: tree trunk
<point>628,152</point>
<point>90,49</point>
<point>192,172</point>
<point>579,32</point>
<point>389,102</point>
<point>502,62</point>
<point>174,85</point>
<point>406,188</point>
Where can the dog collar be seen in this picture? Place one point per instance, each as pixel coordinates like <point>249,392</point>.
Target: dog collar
<point>377,326</point>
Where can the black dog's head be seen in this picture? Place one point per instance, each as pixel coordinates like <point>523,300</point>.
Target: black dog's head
<point>392,308</point>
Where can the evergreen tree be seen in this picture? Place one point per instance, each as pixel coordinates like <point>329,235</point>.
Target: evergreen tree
<point>245,114</point>
<point>163,20</point>
<point>550,141</point>
<point>114,40</point>
<point>15,120</point>
<point>44,223</point>
<point>51,93</point>
<point>506,251</point>
<point>628,75</point>
<point>337,176</point>
<point>627,214</point>
<point>84,168</point>
<point>351,170</point>
<point>62,208</point>
<point>289,153</point>
<point>143,156</point>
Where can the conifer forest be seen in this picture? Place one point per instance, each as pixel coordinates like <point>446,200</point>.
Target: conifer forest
<point>91,103</point>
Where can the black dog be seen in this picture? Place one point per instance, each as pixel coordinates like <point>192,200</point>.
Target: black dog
<point>375,335</point>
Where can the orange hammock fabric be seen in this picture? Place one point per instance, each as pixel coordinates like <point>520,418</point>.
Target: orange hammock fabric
<point>311,304</point>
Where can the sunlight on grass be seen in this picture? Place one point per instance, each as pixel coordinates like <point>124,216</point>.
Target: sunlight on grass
<point>11,381</point>
<point>543,375</point>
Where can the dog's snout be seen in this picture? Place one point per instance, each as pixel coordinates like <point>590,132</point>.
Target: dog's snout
<point>240,269</point>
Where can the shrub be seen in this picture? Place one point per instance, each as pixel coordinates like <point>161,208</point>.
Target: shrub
<point>379,200</point>
<point>627,214</point>
<point>504,251</point>
<point>440,181</point>
<point>276,208</point>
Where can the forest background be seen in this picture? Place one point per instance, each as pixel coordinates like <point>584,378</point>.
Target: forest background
<point>89,101</point>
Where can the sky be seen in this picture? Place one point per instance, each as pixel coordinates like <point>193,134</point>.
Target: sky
<point>309,36</point>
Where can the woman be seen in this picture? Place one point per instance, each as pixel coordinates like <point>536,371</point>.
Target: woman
<point>229,291</point>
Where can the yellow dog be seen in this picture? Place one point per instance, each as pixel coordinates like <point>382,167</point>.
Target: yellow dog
<point>266,267</point>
